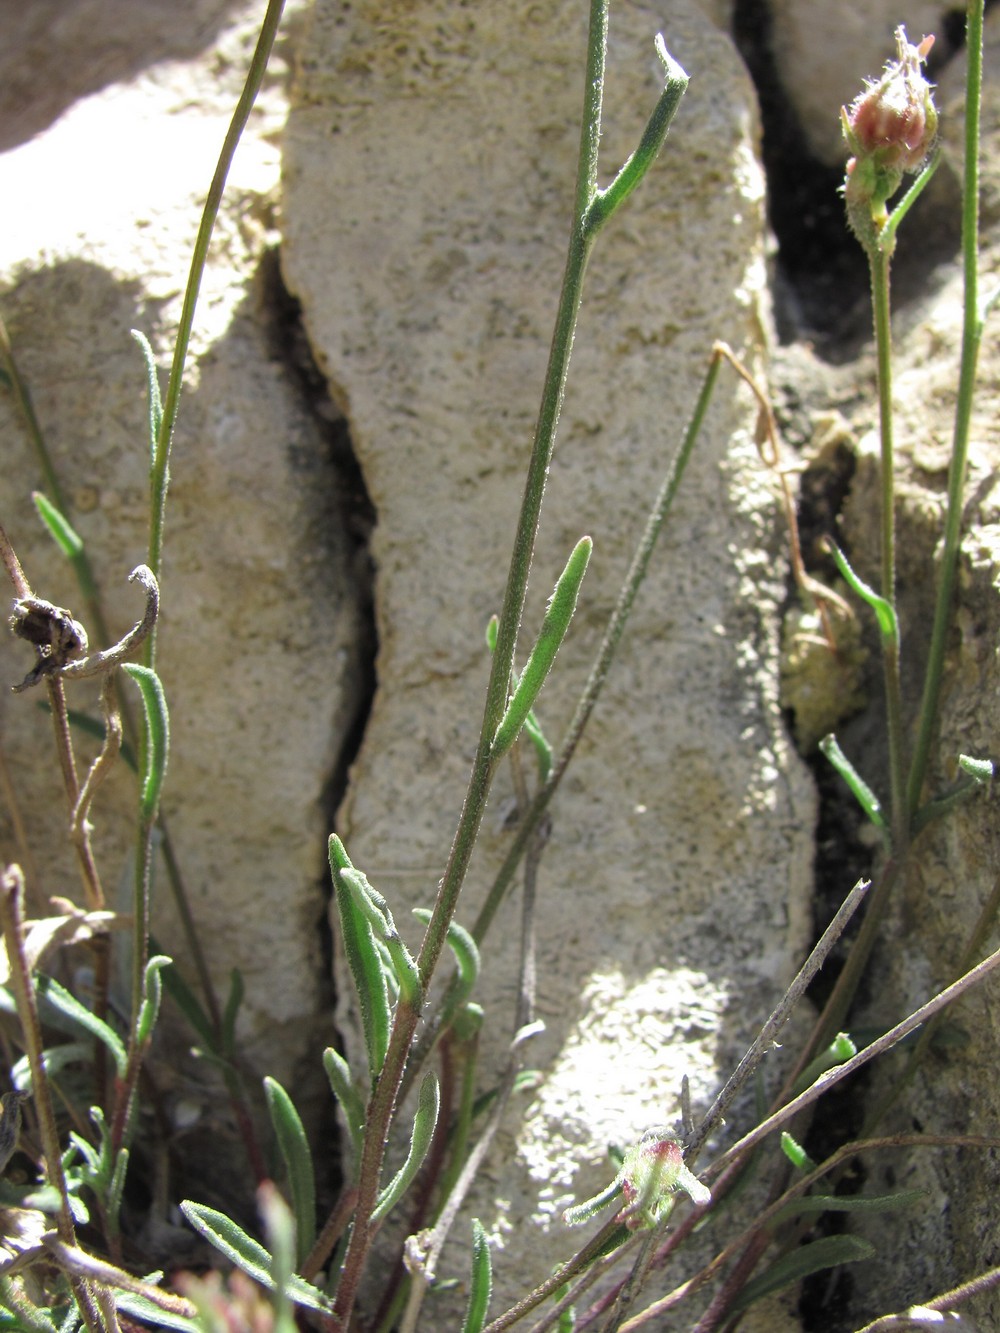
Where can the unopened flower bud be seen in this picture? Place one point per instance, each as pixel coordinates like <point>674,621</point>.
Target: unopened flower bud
<point>890,128</point>
<point>651,1171</point>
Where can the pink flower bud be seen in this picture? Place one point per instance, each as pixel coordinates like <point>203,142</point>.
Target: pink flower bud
<point>651,1171</point>
<point>890,128</point>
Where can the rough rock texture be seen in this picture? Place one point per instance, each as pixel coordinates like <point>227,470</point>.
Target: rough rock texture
<point>428,166</point>
<point>429,161</point>
<point>259,627</point>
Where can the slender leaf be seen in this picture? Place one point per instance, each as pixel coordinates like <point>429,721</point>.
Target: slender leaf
<point>153,386</point>
<point>339,1073</point>
<point>154,706</point>
<point>795,1153</point>
<point>851,1203</point>
<point>231,1012</point>
<point>298,1161</point>
<point>816,1257</point>
<point>466,952</point>
<point>247,1254</point>
<point>482,1280</point>
<point>279,1226</point>
<point>59,527</point>
<point>376,911</point>
<point>140,1308</point>
<point>842,1048</point>
<point>152,994</point>
<point>554,626</point>
<point>860,789</point>
<point>50,992</point>
<point>424,1121</point>
<point>364,962</point>
<point>884,612</point>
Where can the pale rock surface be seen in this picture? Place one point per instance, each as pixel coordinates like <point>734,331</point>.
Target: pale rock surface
<point>429,168</point>
<point>259,628</point>
<point>428,180</point>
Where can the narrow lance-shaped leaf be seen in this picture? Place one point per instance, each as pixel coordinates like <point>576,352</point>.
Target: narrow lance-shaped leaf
<point>466,952</point>
<point>377,913</point>
<point>884,613</point>
<point>152,994</point>
<point>338,1071</point>
<point>860,789</point>
<point>424,1121</point>
<point>154,706</point>
<point>364,962</point>
<point>550,636</point>
<point>532,727</point>
<point>50,992</point>
<point>295,1151</point>
<point>279,1227</point>
<point>482,1280</point>
<point>153,385</point>
<point>59,527</point>
<point>231,1012</point>
<point>247,1254</point>
<point>840,1050</point>
<point>814,1257</point>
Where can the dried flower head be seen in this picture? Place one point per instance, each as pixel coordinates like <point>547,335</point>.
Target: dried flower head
<point>890,129</point>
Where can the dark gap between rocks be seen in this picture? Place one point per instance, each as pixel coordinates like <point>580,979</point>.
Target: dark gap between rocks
<point>347,505</point>
<point>820,288</point>
<point>820,284</point>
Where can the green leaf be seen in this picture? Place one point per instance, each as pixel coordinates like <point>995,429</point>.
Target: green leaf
<point>862,793</point>
<point>554,626</point>
<point>153,387</point>
<point>424,1121</point>
<point>59,527</point>
<point>980,769</point>
<point>818,1255</point>
<point>466,952</point>
<point>850,1203</point>
<point>338,1071</point>
<point>884,613</point>
<point>376,911</point>
<point>279,1226</point>
<point>364,962</point>
<point>540,744</point>
<point>482,1280</point>
<point>141,1308</point>
<point>248,1255</point>
<point>51,993</point>
<point>840,1050</point>
<point>154,706</point>
<point>795,1153</point>
<point>295,1151</point>
<point>152,993</point>
<point>233,1001</point>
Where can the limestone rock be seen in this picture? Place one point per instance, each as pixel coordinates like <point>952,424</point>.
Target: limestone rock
<point>259,628</point>
<point>429,167</point>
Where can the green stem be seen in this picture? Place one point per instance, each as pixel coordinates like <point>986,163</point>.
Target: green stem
<point>879,261</point>
<point>583,233</point>
<point>972,327</point>
<point>159,468</point>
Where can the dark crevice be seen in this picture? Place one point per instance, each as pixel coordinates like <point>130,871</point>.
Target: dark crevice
<point>821,277</point>
<point>347,506</point>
